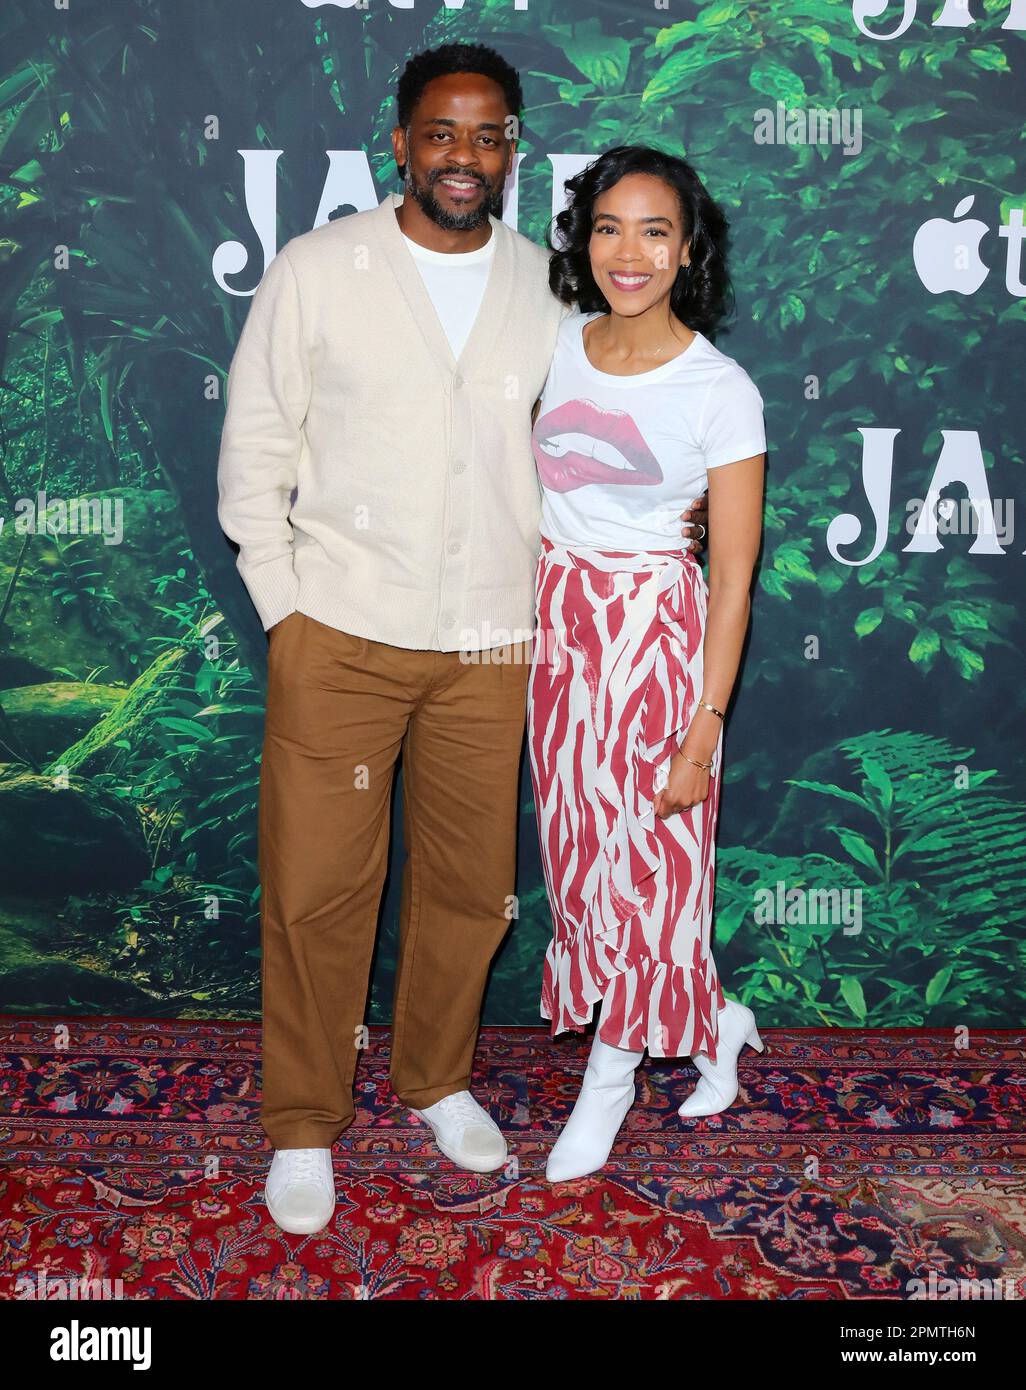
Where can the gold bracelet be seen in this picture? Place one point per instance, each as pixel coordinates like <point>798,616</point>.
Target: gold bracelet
<point>706,705</point>
<point>706,766</point>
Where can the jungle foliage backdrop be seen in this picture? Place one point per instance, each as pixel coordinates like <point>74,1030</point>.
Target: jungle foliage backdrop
<point>876,740</point>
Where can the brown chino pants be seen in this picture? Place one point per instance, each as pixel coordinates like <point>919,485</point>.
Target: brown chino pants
<point>339,709</point>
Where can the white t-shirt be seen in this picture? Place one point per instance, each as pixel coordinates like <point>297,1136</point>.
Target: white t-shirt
<point>456,282</point>
<point>620,457</point>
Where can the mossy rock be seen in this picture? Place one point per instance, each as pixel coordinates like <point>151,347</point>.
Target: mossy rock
<point>58,986</point>
<point>74,839</point>
<point>47,719</point>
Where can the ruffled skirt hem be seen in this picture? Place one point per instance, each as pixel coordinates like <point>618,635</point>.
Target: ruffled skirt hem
<point>667,1009</point>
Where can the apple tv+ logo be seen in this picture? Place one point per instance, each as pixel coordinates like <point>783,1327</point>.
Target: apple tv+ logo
<point>946,253</point>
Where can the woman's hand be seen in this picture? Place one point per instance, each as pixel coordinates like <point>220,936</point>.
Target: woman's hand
<point>685,787</point>
<point>696,520</point>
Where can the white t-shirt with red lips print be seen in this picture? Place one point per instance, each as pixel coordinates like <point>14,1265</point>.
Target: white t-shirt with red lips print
<point>620,457</point>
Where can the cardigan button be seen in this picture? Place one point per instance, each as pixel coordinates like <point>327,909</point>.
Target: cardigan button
<point>457,380</point>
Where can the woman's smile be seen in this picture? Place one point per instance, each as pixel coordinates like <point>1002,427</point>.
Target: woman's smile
<point>629,280</point>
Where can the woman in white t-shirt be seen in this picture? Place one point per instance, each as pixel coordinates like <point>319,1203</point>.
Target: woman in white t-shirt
<point>635,655</point>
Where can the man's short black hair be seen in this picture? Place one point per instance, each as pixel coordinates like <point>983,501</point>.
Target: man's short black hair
<point>422,68</point>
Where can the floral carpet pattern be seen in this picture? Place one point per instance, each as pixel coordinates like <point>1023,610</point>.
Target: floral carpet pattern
<point>853,1165</point>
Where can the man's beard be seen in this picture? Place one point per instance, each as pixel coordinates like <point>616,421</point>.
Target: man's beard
<point>454,221</point>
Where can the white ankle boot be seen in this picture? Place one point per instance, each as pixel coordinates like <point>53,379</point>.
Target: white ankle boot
<point>300,1190</point>
<point>607,1093</point>
<point>717,1087</point>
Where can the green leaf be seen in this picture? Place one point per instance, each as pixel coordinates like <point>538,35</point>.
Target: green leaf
<point>926,840</point>
<point>828,789</point>
<point>925,646</point>
<point>675,34</point>
<point>714,15</point>
<point>771,77</point>
<point>990,59</point>
<point>842,375</point>
<point>793,562</point>
<point>969,663</point>
<point>938,984</point>
<point>879,780</point>
<point>679,70</point>
<point>792,310</point>
<point>729,920</point>
<point>774,584</point>
<point>186,726</point>
<point>859,848</point>
<point>965,617</point>
<point>830,580</point>
<point>868,621</point>
<point>851,993</point>
<point>601,57</point>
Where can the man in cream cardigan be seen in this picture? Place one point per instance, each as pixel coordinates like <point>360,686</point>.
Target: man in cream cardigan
<point>377,475</point>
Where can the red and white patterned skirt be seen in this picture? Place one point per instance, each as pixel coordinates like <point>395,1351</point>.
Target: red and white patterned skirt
<point>616,675</point>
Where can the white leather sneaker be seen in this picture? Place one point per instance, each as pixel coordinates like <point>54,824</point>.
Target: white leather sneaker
<point>718,1085</point>
<point>300,1190</point>
<point>465,1133</point>
<point>607,1093</point>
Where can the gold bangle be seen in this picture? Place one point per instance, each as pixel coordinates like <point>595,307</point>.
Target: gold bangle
<point>706,766</point>
<point>706,705</point>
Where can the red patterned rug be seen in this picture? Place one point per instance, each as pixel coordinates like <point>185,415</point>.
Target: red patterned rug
<point>853,1165</point>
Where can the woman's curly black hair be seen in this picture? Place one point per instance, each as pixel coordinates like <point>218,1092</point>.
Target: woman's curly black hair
<point>702,294</point>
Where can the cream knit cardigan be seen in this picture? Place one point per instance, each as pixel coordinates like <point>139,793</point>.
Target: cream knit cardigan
<point>371,480</point>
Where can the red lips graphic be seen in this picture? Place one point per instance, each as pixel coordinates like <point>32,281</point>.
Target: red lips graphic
<point>574,470</point>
